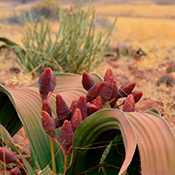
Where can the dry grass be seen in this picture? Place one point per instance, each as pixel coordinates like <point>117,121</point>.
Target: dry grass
<point>138,10</point>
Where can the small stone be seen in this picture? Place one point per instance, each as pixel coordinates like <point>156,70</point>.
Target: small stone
<point>167,79</point>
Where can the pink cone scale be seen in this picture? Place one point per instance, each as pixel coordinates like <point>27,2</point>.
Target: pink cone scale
<point>94,91</point>
<point>63,111</point>
<point>7,155</point>
<point>76,119</point>
<point>129,104</point>
<point>47,83</point>
<point>107,90</point>
<point>87,81</point>
<point>108,74</point>
<point>48,124</point>
<point>66,136</point>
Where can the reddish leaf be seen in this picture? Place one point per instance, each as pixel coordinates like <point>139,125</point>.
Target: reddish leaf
<point>46,107</point>
<point>129,104</point>
<point>47,83</point>
<point>82,106</point>
<point>125,90</point>
<point>137,95</point>
<point>94,91</point>
<point>63,111</point>
<point>87,81</point>
<point>8,156</point>
<point>107,90</point>
<point>92,108</point>
<point>108,74</point>
<point>15,171</point>
<point>114,92</point>
<point>76,119</point>
<point>58,122</point>
<point>48,124</point>
<point>66,136</point>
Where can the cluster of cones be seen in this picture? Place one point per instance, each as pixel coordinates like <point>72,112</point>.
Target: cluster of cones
<point>98,96</point>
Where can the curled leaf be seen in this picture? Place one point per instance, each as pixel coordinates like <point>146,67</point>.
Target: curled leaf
<point>48,124</point>
<point>8,156</point>
<point>47,83</point>
<point>63,111</point>
<point>107,90</point>
<point>125,90</point>
<point>87,81</point>
<point>15,171</point>
<point>94,91</point>
<point>66,136</point>
<point>76,119</point>
<point>108,74</point>
<point>129,104</point>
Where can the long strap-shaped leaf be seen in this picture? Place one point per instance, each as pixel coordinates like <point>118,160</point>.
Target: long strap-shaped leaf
<point>93,136</point>
<point>156,143</point>
<point>22,107</point>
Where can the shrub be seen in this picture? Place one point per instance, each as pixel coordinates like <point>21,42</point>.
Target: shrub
<point>75,48</point>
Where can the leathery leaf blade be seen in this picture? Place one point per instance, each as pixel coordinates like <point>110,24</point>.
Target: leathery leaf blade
<point>94,135</point>
<point>25,110</point>
<point>155,141</point>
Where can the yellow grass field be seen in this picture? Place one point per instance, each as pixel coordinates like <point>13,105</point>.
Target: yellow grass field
<point>138,10</point>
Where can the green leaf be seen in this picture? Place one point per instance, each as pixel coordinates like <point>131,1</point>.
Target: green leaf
<point>147,144</point>
<point>46,171</point>
<point>20,52</point>
<point>94,135</point>
<point>25,105</point>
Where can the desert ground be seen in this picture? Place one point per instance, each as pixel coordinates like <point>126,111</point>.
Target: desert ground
<point>141,24</point>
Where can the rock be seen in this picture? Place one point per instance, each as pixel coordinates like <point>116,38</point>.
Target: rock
<point>111,60</point>
<point>137,56</point>
<point>147,103</point>
<point>5,172</point>
<point>21,139</point>
<point>146,74</point>
<point>167,79</point>
<point>14,70</point>
<point>138,74</point>
<point>121,79</point>
<point>170,66</point>
<point>2,82</point>
<point>123,49</point>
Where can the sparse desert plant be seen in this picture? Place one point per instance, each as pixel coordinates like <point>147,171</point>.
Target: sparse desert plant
<point>75,48</point>
<point>48,9</point>
<point>90,134</point>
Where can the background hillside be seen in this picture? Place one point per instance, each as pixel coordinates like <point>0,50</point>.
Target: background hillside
<point>160,2</point>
